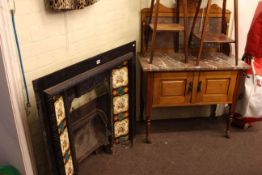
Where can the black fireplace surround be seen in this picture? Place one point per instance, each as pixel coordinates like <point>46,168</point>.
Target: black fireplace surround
<point>99,115</point>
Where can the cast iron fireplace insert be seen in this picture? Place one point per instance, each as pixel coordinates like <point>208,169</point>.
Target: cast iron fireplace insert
<point>108,80</point>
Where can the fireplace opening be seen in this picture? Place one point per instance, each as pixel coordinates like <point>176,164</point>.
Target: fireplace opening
<point>90,121</point>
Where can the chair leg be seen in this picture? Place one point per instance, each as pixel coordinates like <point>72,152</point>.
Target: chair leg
<point>203,33</point>
<point>185,30</point>
<point>147,25</point>
<point>177,20</point>
<point>151,11</point>
<point>194,22</point>
<point>223,24</point>
<point>236,30</point>
<point>154,33</point>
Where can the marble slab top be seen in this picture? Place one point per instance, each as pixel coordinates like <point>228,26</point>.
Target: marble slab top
<point>175,62</point>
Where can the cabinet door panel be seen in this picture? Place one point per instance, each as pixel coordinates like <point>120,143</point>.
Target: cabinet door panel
<point>172,88</point>
<point>215,87</point>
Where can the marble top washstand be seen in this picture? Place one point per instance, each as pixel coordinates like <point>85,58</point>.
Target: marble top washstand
<point>175,62</point>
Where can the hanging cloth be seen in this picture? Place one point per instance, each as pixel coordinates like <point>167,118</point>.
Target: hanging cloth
<point>254,38</point>
<point>70,4</point>
<point>249,105</point>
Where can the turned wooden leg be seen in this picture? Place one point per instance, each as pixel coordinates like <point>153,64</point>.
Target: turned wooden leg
<point>142,96</point>
<point>232,107</point>
<point>229,121</point>
<point>148,125</point>
<point>148,104</point>
<point>213,111</point>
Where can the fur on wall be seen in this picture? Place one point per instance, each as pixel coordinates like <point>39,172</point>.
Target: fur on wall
<point>70,4</point>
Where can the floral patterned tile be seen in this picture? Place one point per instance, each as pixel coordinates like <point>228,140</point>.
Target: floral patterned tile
<point>59,110</point>
<point>120,77</point>
<point>69,168</point>
<point>121,128</point>
<point>120,104</point>
<point>64,141</point>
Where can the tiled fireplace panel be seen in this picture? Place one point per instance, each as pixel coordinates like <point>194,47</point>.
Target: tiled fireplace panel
<point>114,107</point>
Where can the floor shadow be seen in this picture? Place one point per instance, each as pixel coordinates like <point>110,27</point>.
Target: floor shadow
<point>182,125</point>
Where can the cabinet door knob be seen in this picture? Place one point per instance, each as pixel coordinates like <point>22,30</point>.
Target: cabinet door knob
<point>190,87</point>
<point>199,86</point>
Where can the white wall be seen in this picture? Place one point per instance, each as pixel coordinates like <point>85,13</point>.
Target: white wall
<point>10,152</point>
<point>246,13</point>
<point>167,3</point>
<point>53,40</point>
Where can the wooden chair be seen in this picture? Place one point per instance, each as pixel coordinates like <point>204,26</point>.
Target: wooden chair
<point>167,27</point>
<point>206,37</point>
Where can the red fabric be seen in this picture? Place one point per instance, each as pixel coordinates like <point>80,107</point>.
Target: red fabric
<point>246,118</point>
<point>241,122</point>
<point>257,65</point>
<point>254,39</point>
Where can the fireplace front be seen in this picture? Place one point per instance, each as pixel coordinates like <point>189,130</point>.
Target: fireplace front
<point>86,107</point>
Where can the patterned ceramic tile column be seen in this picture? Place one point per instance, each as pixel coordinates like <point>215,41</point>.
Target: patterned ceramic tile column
<point>63,135</point>
<point>120,103</point>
